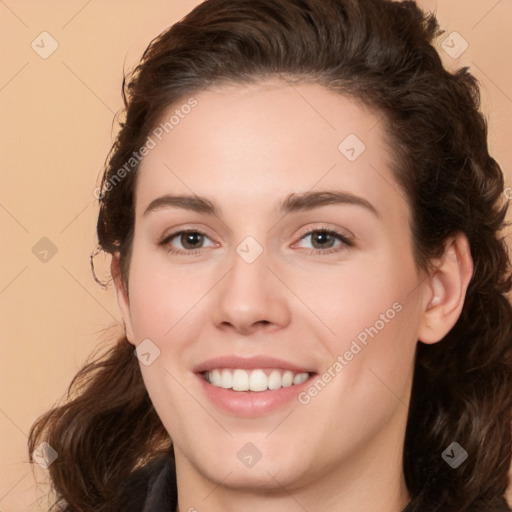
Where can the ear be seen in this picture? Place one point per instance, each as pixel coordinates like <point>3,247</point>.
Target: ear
<point>122,296</point>
<point>446,290</point>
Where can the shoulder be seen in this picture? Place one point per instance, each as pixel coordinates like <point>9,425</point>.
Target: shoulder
<point>151,488</point>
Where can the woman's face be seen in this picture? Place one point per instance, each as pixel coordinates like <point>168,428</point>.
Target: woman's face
<point>256,294</point>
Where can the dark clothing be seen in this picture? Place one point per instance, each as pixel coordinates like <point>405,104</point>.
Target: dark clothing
<point>153,489</point>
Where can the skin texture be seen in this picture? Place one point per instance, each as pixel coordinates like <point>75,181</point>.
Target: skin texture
<point>247,148</point>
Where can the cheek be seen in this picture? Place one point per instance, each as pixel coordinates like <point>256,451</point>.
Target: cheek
<point>375,315</point>
<point>161,298</point>
<point>368,380</point>
<point>374,354</point>
<point>363,301</point>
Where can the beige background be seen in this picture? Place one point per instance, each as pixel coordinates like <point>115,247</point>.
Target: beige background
<point>56,131</point>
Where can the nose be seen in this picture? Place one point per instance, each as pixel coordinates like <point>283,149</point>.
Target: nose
<point>251,298</point>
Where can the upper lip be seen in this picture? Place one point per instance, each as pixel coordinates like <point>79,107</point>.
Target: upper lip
<point>249,363</point>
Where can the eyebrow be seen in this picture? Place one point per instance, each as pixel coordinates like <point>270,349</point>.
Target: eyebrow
<point>295,202</point>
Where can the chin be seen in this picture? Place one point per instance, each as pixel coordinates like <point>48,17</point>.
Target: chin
<point>263,476</point>
<point>248,462</point>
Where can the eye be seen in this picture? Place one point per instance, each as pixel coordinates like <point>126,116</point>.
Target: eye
<point>326,241</point>
<point>189,242</point>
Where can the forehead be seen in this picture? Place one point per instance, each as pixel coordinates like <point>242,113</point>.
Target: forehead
<point>258,142</point>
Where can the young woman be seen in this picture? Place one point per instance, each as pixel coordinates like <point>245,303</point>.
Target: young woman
<point>305,229</point>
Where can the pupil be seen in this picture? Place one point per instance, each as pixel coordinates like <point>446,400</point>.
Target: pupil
<point>190,239</point>
<point>322,236</point>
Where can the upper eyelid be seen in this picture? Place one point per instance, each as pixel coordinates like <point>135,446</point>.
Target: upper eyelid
<point>306,231</point>
<point>337,230</point>
<point>344,238</point>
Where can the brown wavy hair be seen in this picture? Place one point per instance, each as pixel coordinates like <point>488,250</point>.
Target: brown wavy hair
<point>380,53</point>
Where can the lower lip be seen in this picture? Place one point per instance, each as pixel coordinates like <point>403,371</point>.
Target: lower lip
<point>250,404</point>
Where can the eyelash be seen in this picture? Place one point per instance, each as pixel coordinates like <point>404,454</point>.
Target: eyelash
<point>341,237</point>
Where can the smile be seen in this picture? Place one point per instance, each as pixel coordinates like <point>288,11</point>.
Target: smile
<point>252,386</point>
<point>254,380</point>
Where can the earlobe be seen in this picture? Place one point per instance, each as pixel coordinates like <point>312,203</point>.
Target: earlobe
<point>122,297</point>
<point>446,290</point>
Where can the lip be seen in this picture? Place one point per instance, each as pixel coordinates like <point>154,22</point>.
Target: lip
<point>249,363</point>
<point>250,404</point>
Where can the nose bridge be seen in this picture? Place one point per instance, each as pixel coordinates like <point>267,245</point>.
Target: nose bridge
<point>250,294</point>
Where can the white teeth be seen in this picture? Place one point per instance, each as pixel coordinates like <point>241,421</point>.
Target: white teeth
<point>215,378</point>
<point>274,380</point>
<point>300,378</point>
<point>226,379</point>
<point>240,380</point>
<point>258,381</point>
<point>254,380</point>
<point>287,379</point>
